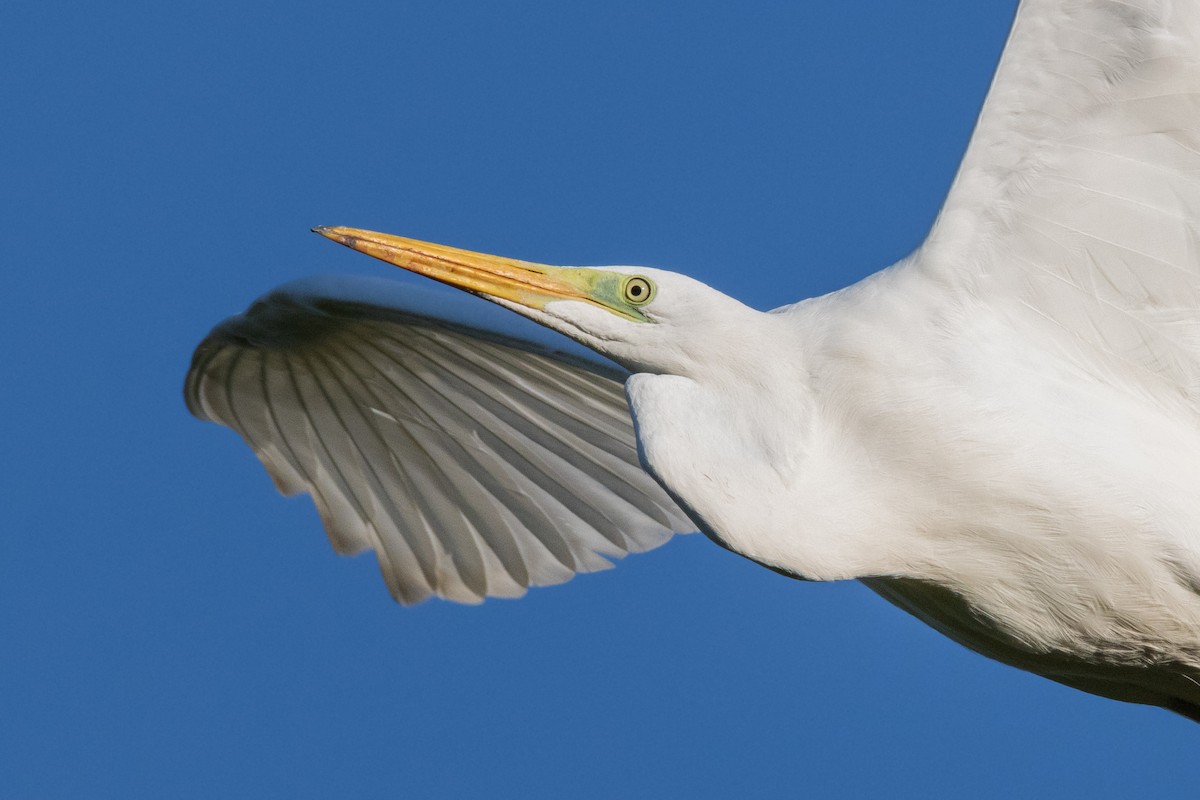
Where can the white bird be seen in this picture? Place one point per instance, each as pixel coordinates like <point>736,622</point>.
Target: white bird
<point>999,434</point>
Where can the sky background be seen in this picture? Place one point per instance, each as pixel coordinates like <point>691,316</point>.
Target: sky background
<point>170,626</point>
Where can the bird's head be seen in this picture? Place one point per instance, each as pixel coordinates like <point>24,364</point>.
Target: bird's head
<point>647,320</point>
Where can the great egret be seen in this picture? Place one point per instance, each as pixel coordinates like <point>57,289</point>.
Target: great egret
<point>1000,433</point>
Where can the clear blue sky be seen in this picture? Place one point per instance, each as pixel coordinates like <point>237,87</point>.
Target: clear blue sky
<point>170,627</point>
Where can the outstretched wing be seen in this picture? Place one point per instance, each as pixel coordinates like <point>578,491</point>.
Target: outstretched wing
<point>476,454</point>
<point>1077,206</point>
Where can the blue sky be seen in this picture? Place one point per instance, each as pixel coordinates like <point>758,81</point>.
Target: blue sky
<point>169,626</point>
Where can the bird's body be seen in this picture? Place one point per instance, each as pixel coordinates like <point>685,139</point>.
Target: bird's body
<point>1000,433</point>
<point>1041,517</point>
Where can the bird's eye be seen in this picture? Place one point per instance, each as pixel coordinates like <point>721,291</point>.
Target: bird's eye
<point>638,291</point>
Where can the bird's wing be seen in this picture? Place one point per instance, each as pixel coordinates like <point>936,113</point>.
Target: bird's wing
<point>476,456</point>
<point>1077,206</point>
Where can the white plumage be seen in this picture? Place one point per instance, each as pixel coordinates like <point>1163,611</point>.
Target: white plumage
<point>1000,434</point>
<point>475,453</point>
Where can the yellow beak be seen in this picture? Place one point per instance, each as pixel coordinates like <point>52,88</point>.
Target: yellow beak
<point>523,282</point>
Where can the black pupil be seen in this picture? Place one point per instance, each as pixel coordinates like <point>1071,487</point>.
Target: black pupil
<point>635,290</point>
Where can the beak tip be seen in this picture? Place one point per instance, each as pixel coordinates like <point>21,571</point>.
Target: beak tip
<point>329,232</point>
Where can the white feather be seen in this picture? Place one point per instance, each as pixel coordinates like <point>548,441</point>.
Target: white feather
<point>475,453</point>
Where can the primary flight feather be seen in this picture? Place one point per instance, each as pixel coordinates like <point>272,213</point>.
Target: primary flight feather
<point>1000,434</point>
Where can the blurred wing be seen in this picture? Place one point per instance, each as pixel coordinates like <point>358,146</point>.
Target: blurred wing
<point>1076,210</point>
<point>475,460</point>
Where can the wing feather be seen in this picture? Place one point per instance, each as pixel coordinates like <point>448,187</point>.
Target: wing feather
<point>476,455</point>
<point>380,431</point>
<point>1077,205</point>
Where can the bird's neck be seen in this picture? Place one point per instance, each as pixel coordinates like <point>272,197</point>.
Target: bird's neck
<point>778,457</point>
<point>753,466</point>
